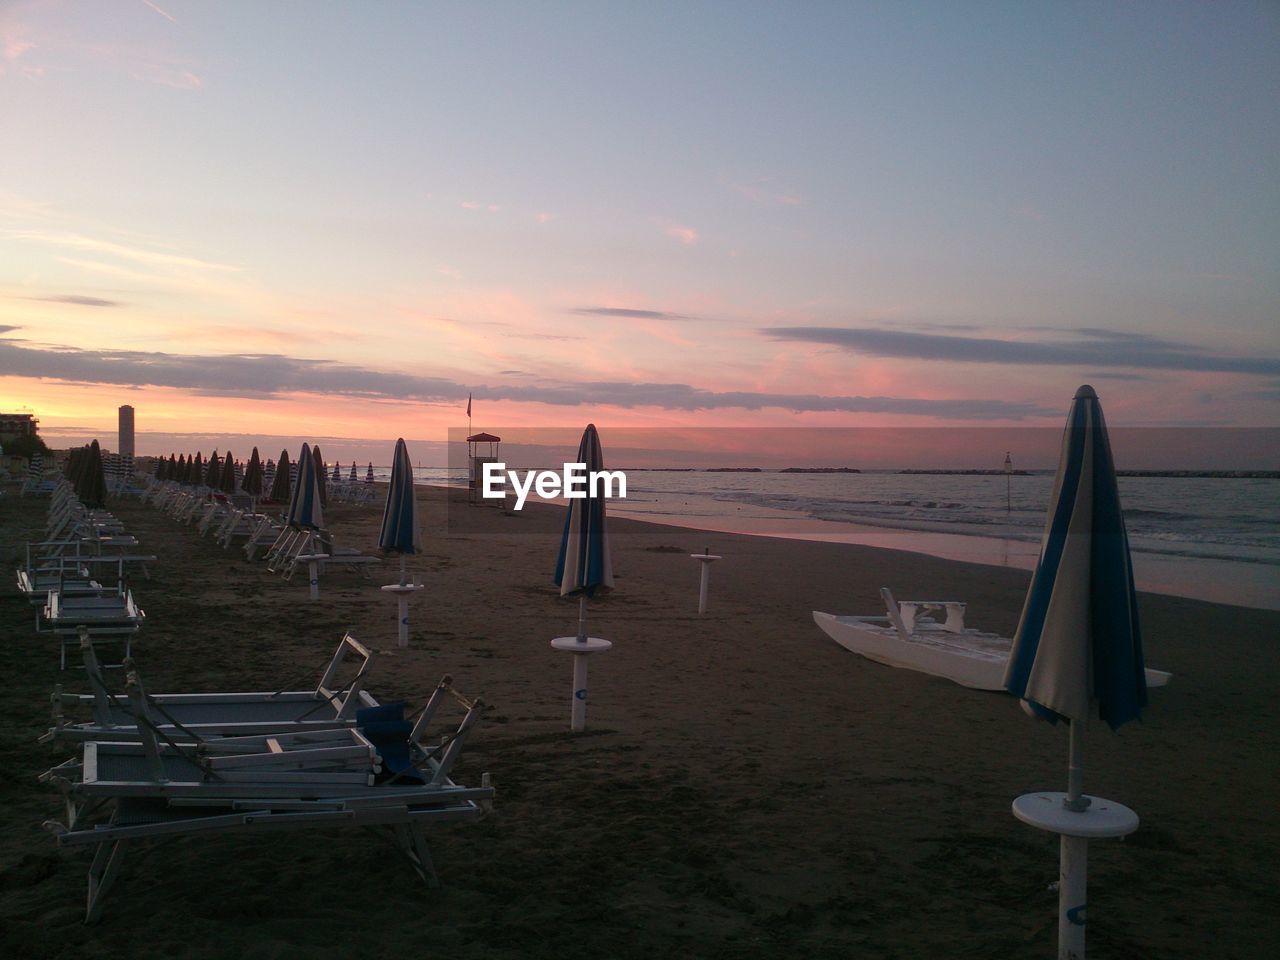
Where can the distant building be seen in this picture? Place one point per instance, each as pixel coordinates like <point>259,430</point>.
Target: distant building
<point>14,426</point>
<point>126,431</point>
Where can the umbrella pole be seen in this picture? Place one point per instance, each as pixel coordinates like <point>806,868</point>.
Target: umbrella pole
<point>1073,856</point>
<point>1076,800</point>
<point>402,574</point>
<point>582,618</point>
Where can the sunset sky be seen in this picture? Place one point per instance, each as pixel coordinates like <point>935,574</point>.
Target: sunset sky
<point>340,219</point>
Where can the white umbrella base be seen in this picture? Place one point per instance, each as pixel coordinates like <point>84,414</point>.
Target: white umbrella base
<point>580,649</point>
<point>402,593</point>
<point>1101,819</point>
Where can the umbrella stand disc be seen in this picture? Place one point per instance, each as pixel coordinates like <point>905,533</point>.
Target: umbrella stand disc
<point>1101,819</point>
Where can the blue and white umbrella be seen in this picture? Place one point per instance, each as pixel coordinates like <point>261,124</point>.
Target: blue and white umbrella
<point>584,564</point>
<point>1078,642</point>
<point>400,532</point>
<point>583,567</point>
<point>1079,648</point>
<point>305,511</point>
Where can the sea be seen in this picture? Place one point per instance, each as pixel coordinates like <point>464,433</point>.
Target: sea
<point>1211,538</point>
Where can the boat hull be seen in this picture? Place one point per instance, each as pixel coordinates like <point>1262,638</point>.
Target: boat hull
<point>971,658</point>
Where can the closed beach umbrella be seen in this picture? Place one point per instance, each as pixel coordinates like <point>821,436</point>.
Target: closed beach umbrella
<point>93,487</point>
<point>213,471</point>
<point>1078,642</point>
<point>35,466</point>
<point>180,472</point>
<point>337,471</point>
<point>583,567</point>
<point>305,508</point>
<point>195,470</point>
<point>584,564</point>
<point>368,474</point>
<point>252,483</point>
<point>321,477</point>
<point>1078,647</point>
<point>162,467</point>
<point>400,532</point>
<point>352,476</point>
<point>227,481</point>
<point>281,486</point>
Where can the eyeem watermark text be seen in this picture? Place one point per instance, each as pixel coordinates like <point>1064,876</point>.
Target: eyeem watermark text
<point>573,483</point>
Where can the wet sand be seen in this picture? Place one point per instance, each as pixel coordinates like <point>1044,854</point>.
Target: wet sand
<point>745,787</point>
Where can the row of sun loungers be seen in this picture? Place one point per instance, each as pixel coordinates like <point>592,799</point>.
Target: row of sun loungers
<point>153,766</point>
<point>235,521</point>
<point>68,576</point>
<point>146,767</point>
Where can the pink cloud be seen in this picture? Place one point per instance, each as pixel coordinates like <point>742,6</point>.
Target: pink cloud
<point>686,235</point>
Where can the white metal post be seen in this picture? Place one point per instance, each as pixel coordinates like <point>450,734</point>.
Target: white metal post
<point>578,713</point>
<point>1073,870</point>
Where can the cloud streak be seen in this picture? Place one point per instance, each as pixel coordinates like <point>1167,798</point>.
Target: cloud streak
<point>1092,348</point>
<point>628,313</point>
<point>254,376</point>
<point>77,300</point>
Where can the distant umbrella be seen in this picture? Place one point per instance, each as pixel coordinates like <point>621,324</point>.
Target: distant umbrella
<point>400,531</point>
<point>337,471</point>
<point>195,470</point>
<point>368,474</point>
<point>1078,647</point>
<point>584,564</point>
<point>35,466</point>
<point>352,477</point>
<point>252,483</point>
<point>305,508</point>
<point>213,471</point>
<point>583,567</point>
<point>282,486</point>
<point>162,469</point>
<point>93,488</point>
<point>321,477</point>
<point>227,481</point>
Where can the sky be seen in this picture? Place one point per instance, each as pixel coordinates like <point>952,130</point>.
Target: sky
<point>341,220</point>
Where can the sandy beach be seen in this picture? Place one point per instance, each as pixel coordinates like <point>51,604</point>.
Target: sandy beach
<point>745,787</point>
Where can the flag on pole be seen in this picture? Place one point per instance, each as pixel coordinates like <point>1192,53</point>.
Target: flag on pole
<point>468,404</point>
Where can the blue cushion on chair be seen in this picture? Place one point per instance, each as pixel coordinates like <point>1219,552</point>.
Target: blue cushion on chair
<point>386,728</point>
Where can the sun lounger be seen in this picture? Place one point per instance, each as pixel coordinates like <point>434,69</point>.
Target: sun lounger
<point>187,716</point>
<point>154,788</point>
<point>113,617</point>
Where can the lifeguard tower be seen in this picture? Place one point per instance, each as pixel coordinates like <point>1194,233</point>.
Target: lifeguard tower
<point>477,456</point>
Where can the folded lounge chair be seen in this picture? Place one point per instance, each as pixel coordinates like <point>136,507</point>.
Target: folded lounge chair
<point>155,788</point>
<point>110,617</point>
<point>191,716</point>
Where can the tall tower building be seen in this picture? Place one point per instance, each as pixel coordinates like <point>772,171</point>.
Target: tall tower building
<point>125,445</point>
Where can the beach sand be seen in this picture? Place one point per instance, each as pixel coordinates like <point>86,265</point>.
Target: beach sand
<point>745,787</point>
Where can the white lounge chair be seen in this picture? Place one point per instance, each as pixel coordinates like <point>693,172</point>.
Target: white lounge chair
<point>155,788</point>
<point>189,716</point>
